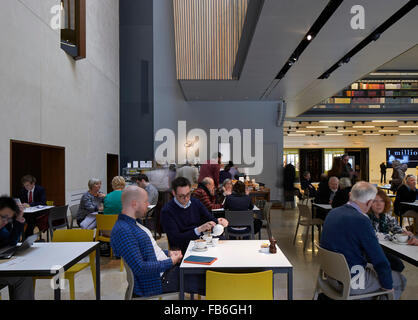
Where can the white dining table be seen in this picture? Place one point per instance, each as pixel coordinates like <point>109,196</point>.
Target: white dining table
<point>37,209</point>
<point>412,204</point>
<point>403,251</point>
<point>45,259</point>
<point>236,255</point>
<point>323,206</point>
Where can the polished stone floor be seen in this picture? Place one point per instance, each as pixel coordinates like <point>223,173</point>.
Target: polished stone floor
<point>283,224</point>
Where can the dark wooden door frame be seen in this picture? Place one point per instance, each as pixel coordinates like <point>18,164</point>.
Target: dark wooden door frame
<point>12,141</point>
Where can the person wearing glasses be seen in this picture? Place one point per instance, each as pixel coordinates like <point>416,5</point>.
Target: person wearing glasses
<point>184,218</point>
<point>11,229</point>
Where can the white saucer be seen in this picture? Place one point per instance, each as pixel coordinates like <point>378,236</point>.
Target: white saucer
<point>397,242</point>
<point>200,250</point>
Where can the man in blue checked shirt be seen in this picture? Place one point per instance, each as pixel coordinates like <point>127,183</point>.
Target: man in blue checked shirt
<point>155,271</point>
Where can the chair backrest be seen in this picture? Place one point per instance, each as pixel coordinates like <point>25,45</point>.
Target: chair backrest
<point>304,211</point>
<point>130,279</point>
<point>73,235</point>
<point>105,222</point>
<point>239,286</point>
<point>266,210</point>
<point>241,219</point>
<point>57,218</point>
<point>74,210</point>
<point>334,265</point>
<point>50,203</point>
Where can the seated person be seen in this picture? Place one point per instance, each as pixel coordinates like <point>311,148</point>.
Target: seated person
<point>347,230</point>
<point>205,193</point>
<point>343,194</point>
<point>155,271</point>
<point>11,229</point>
<point>305,184</point>
<point>224,191</point>
<point>31,195</point>
<point>325,195</point>
<point>225,174</point>
<point>143,182</point>
<point>240,201</point>
<point>407,192</point>
<point>113,201</point>
<point>234,172</point>
<point>91,202</point>
<point>383,222</point>
<point>184,218</point>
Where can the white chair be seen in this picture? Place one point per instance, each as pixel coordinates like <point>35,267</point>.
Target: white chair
<point>305,219</point>
<point>334,265</point>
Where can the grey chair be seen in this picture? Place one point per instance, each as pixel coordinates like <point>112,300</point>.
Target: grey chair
<point>73,210</point>
<point>334,265</point>
<point>266,218</point>
<point>240,219</point>
<point>57,219</point>
<point>305,219</point>
<point>130,289</point>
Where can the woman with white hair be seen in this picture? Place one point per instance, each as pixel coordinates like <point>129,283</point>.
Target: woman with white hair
<point>343,194</point>
<point>91,201</point>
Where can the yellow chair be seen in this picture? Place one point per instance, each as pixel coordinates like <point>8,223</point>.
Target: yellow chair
<point>104,225</point>
<point>50,203</point>
<point>74,235</point>
<point>239,286</point>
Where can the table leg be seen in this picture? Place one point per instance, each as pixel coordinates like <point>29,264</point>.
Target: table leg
<point>181,295</point>
<point>57,291</point>
<point>290,284</point>
<point>98,273</point>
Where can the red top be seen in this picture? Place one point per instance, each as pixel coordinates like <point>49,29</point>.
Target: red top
<point>210,169</point>
<point>208,202</point>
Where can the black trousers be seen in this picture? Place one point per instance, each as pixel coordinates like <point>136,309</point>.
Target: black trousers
<point>193,283</point>
<point>383,177</point>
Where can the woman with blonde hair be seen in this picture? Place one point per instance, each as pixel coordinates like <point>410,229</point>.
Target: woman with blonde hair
<point>113,201</point>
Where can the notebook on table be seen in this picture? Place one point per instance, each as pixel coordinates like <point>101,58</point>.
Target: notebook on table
<point>200,260</point>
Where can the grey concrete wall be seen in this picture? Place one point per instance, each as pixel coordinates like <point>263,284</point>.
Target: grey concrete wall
<point>171,107</point>
<point>46,97</point>
<point>136,76</point>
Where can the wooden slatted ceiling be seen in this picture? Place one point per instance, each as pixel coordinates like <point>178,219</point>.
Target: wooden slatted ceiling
<point>207,35</point>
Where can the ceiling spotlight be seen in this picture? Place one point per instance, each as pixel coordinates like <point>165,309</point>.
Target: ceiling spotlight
<point>309,37</point>
<point>323,131</point>
<point>345,128</point>
<point>290,63</point>
<point>385,134</point>
<point>340,64</point>
<point>297,128</point>
<point>353,122</point>
<point>300,122</point>
<point>346,60</point>
<point>382,127</point>
<point>288,132</point>
<point>376,36</point>
<point>363,122</point>
<point>349,135</point>
<point>310,122</point>
<point>405,122</point>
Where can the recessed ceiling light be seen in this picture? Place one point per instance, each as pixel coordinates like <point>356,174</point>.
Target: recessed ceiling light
<point>307,131</point>
<point>388,130</point>
<point>332,121</point>
<point>371,134</point>
<point>309,37</point>
<point>385,121</point>
<point>348,131</point>
<point>363,127</point>
<point>407,134</point>
<point>408,126</point>
<point>296,135</point>
<point>317,127</point>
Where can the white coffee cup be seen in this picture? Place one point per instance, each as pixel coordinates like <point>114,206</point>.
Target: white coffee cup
<point>217,230</point>
<point>215,241</point>
<point>207,238</point>
<point>200,243</point>
<point>401,237</point>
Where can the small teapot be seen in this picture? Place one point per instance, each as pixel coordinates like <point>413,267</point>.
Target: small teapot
<point>217,230</point>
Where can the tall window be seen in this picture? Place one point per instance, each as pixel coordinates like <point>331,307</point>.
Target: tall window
<point>73,28</point>
<point>291,156</point>
<point>329,155</point>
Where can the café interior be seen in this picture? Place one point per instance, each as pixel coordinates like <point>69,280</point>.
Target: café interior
<point>275,90</point>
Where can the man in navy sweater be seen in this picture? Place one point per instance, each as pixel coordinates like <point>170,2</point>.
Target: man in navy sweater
<point>348,230</point>
<point>11,228</point>
<point>184,218</point>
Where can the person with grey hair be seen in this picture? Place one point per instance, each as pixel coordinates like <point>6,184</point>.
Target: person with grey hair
<point>347,230</point>
<point>343,194</point>
<point>325,195</point>
<point>91,201</point>
<point>205,193</point>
